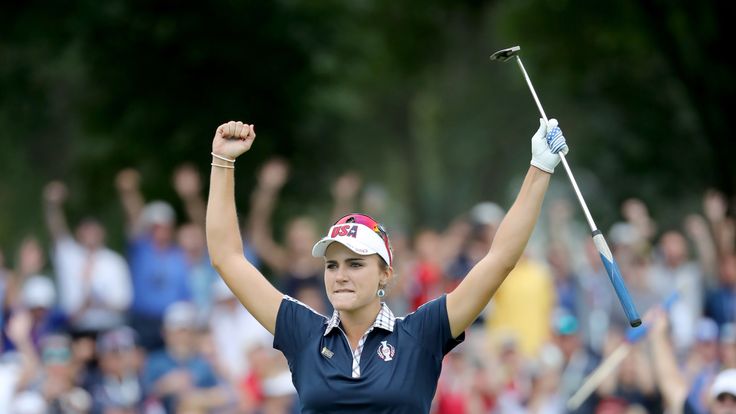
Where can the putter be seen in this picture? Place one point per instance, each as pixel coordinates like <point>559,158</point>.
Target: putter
<point>614,274</point>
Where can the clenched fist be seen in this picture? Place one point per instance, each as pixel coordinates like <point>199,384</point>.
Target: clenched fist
<point>233,139</point>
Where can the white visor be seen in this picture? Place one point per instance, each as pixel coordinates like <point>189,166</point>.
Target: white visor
<point>356,237</point>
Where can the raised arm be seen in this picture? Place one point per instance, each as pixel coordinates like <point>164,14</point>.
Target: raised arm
<point>54,195</point>
<point>344,192</point>
<point>696,227</point>
<point>223,237</point>
<point>670,380</point>
<point>188,185</point>
<point>466,302</point>
<point>715,206</point>
<point>18,331</point>
<point>128,185</point>
<point>271,179</point>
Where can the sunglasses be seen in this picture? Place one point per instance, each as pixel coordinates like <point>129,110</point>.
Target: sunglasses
<point>372,224</point>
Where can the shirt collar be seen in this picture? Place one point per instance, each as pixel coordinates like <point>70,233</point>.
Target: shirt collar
<point>384,320</point>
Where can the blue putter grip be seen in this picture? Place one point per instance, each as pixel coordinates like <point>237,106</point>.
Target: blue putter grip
<point>614,274</point>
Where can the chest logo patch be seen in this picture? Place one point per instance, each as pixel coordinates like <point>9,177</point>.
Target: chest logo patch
<point>386,351</point>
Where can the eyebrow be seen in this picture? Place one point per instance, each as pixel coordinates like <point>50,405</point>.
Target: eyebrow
<point>349,260</point>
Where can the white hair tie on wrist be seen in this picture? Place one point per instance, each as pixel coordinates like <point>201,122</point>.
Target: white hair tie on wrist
<point>220,157</point>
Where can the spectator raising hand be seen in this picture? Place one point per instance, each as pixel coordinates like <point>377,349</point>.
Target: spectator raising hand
<point>94,281</point>
<point>158,265</point>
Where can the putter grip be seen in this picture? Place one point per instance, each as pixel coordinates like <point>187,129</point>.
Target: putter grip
<point>614,274</point>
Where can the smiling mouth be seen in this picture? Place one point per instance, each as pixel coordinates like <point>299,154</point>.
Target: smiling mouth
<point>344,291</point>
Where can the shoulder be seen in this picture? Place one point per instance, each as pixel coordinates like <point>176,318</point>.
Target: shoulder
<point>296,323</point>
<point>302,310</point>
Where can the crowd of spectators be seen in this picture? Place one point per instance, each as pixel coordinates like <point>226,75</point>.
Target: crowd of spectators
<point>153,329</point>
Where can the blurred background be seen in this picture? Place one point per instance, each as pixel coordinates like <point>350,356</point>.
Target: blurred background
<point>402,92</point>
<point>387,107</point>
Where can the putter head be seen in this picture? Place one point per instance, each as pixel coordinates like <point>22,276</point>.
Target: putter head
<point>504,55</point>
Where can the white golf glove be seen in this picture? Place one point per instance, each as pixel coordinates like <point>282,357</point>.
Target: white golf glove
<point>547,143</point>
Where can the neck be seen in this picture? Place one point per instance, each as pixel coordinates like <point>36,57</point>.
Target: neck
<point>357,321</point>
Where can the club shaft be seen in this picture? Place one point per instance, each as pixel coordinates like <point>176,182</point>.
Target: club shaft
<point>612,269</point>
<point>574,183</point>
<point>575,187</point>
<point>531,88</point>
<point>594,380</point>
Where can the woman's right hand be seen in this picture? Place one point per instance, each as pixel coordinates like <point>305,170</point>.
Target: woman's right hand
<point>233,139</point>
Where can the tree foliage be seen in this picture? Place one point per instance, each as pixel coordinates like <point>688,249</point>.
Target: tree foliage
<point>400,91</point>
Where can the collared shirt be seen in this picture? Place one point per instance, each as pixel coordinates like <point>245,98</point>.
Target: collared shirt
<point>394,369</point>
<point>385,320</point>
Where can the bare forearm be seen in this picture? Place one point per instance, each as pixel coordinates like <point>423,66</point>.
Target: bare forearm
<point>259,226</point>
<point>465,303</point>
<point>55,221</point>
<point>223,234</point>
<point>132,202</point>
<point>668,377</point>
<point>262,205</point>
<point>516,228</point>
<point>29,363</point>
<point>196,209</point>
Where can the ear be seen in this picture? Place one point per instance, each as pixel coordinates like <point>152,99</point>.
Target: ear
<point>387,273</point>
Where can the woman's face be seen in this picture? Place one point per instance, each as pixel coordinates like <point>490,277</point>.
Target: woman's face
<point>352,280</point>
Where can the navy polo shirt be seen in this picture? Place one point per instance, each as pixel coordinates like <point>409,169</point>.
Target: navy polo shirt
<point>394,371</point>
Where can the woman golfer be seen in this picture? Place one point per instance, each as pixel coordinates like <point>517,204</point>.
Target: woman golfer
<point>363,359</point>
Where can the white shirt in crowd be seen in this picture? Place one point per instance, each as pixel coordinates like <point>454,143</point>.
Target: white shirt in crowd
<point>236,332</point>
<point>109,291</point>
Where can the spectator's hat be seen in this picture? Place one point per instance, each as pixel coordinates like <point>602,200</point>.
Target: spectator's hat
<point>706,330</point>
<point>56,349</point>
<point>725,383</point>
<point>38,292</point>
<point>565,324</point>
<point>158,212</point>
<point>180,315</point>
<point>487,213</point>
<point>117,339</point>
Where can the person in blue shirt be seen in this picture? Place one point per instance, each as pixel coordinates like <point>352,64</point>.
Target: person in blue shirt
<point>363,358</point>
<point>158,265</point>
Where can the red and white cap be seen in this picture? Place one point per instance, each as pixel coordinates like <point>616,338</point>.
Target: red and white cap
<point>359,233</point>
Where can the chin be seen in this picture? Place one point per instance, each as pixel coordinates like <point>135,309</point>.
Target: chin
<point>343,305</point>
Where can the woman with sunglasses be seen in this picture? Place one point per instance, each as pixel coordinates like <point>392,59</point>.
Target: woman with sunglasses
<point>363,358</point>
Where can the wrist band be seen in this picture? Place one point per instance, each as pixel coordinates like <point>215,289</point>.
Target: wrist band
<point>223,166</point>
<point>220,157</point>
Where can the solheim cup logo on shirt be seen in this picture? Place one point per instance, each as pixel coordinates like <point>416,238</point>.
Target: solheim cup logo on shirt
<point>386,351</point>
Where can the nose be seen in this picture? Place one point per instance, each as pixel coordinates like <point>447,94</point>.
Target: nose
<point>341,275</point>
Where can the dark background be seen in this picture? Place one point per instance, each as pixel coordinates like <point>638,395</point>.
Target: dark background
<point>399,91</point>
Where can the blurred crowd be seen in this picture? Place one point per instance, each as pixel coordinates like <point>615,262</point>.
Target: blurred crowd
<point>152,329</point>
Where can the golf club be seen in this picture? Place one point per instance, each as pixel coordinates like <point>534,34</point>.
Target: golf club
<point>614,274</point>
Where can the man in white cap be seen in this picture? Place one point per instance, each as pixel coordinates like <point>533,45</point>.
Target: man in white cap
<point>179,375</point>
<point>723,393</point>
